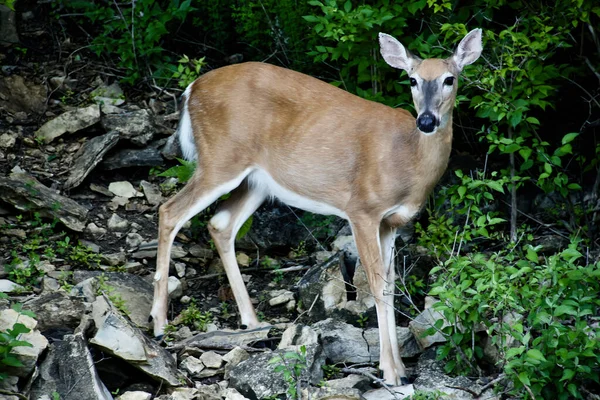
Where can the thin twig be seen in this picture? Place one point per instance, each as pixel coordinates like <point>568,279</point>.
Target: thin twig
<point>369,375</point>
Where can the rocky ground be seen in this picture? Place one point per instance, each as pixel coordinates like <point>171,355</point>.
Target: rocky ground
<point>80,184</point>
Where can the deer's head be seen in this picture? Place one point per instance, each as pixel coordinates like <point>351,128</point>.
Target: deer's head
<point>433,81</point>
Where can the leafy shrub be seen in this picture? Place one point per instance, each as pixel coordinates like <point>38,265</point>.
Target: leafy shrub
<point>9,340</point>
<point>554,348</point>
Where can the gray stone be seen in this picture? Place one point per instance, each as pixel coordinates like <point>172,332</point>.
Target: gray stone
<point>232,394</point>
<point>201,252</point>
<point>26,193</point>
<point>135,395</point>
<point>56,310</point>
<point>211,359</point>
<point>7,286</point>
<point>254,378</point>
<point>423,322</point>
<point>279,297</point>
<point>152,193</point>
<point>69,122</point>
<point>8,27</point>
<point>27,355</point>
<point>345,343</point>
<point>174,287</point>
<point>192,365</point>
<point>134,240</point>
<point>399,393</point>
<point>136,126</point>
<point>22,95</point>
<point>136,292</point>
<point>233,358</point>
<point>7,141</point>
<point>178,252</point>
<point>95,230</point>
<point>128,158</point>
<point>118,337</point>
<point>431,378</point>
<point>122,189</point>
<point>113,259</point>
<point>224,339</point>
<point>69,370</point>
<point>108,95</point>
<point>328,393</point>
<point>117,224</point>
<point>353,381</point>
<point>88,156</point>
<point>297,335</point>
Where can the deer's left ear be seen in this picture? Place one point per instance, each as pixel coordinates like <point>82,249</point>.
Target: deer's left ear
<point>469,49</point>
<point>395,54</point>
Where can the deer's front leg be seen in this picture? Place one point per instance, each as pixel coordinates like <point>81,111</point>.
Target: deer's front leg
<point>367,237</point>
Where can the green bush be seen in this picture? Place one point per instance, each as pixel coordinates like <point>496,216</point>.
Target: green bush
<point>553,346</point>
<point>9,340</point>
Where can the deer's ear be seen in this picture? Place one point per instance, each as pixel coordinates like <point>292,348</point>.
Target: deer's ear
<point>469,49</point>
<point>395,54</point>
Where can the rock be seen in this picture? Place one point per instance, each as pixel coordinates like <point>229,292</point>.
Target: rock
<point>56,310</point>
<point>128,158</point>
<point>100,189</point>
<point>136,395</point>
<point>69,122</point>
<point>22,95</point>
<point>254,378</point>
<point>279,297</point>
<point>192,365</point>
<point>399,393</point>
<point>232,394</point>
<point>180,269</point>
<point>243,260</point>
<point>424,321</point>
<point>328,393</point>
<point>113,259</point>
<point>122,189</point>
<point>297,335</point>
<point>95,230</point>
<point>152,193</point>
<point>7,141</point>
<point>202,253</point>
<point>345,343</point>
<point>134,240</point>
<point>8,27</point>
<point>182,333</point>
<point>27,355</point>
<point>233,358</point>
<point>69,370</point>
<point>117,224</point>
<point>7,286</point>
<point>174,288</point>
<point>431,378</point>
<point>88,156</point>
<point>118,337</point>
<point>211,359</point>
<point>136,126</point>
<point>335,297</point>
<point>178,252</point>
<point>108,95</point>
<point>227,339</point>
<point>135,292</point>
<point>353,381</point>
<point>26,193</point>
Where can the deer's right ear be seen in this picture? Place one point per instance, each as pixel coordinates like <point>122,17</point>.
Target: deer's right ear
<point>395,54</point>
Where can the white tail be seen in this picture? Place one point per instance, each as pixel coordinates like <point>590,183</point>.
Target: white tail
<point>260,130</point>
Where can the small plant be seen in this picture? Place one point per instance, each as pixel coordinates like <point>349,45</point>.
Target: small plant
<point>225,310</point>
<point>169,330</point>
<point>291,364</point>
<point>193,317</point>
<point>9,340</point>
<point>188,70</point>
<point>183,172</point>
<point>362,320</point>
<point>108,290</point>
<point>271,263</point>
<point>330,371</point>
<point>64,280</point>
<point>423,395</point>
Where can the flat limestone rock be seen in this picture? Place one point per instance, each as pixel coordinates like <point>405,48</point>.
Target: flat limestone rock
<point>226,339</point>
<point>69,122</point>
<point>25,193</point>
<point>69,370</point>
<point>88,156</point>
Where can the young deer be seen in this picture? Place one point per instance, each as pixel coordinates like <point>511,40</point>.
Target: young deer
<point>262,131</point>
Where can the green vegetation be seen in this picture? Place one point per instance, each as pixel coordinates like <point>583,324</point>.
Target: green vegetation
<point>9,340</point>
<point>193,317</point>
<point>109,291</point>
<point>291,365</point>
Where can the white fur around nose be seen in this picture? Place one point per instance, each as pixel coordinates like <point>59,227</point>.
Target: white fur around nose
<point>221,220</point>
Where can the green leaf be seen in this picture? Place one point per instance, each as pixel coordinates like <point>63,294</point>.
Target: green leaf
<point>569,137</point>
<point>497,186</point>
<point>437,290</point>
<point>567,375</point>
<point>245,228</point>
<point>524,378</point>
<point>535,354</point>
<point>348,6</point>
<point>461,191</point>
<point>564,309</point>
<point>310,18</point>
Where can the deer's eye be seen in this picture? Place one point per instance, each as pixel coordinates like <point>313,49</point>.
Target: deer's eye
<point>413,82</point>
<point>449,81</point>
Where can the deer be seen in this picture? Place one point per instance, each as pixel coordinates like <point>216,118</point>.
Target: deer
<point>260,131</point>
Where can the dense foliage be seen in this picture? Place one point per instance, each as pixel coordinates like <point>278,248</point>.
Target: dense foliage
<point>525,115</point>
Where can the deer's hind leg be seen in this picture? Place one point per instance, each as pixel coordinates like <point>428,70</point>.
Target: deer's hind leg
<point>223,228</point>
<point>203,189</point>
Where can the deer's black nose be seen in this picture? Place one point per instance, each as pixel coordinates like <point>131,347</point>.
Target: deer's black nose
<point>426,122</point>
